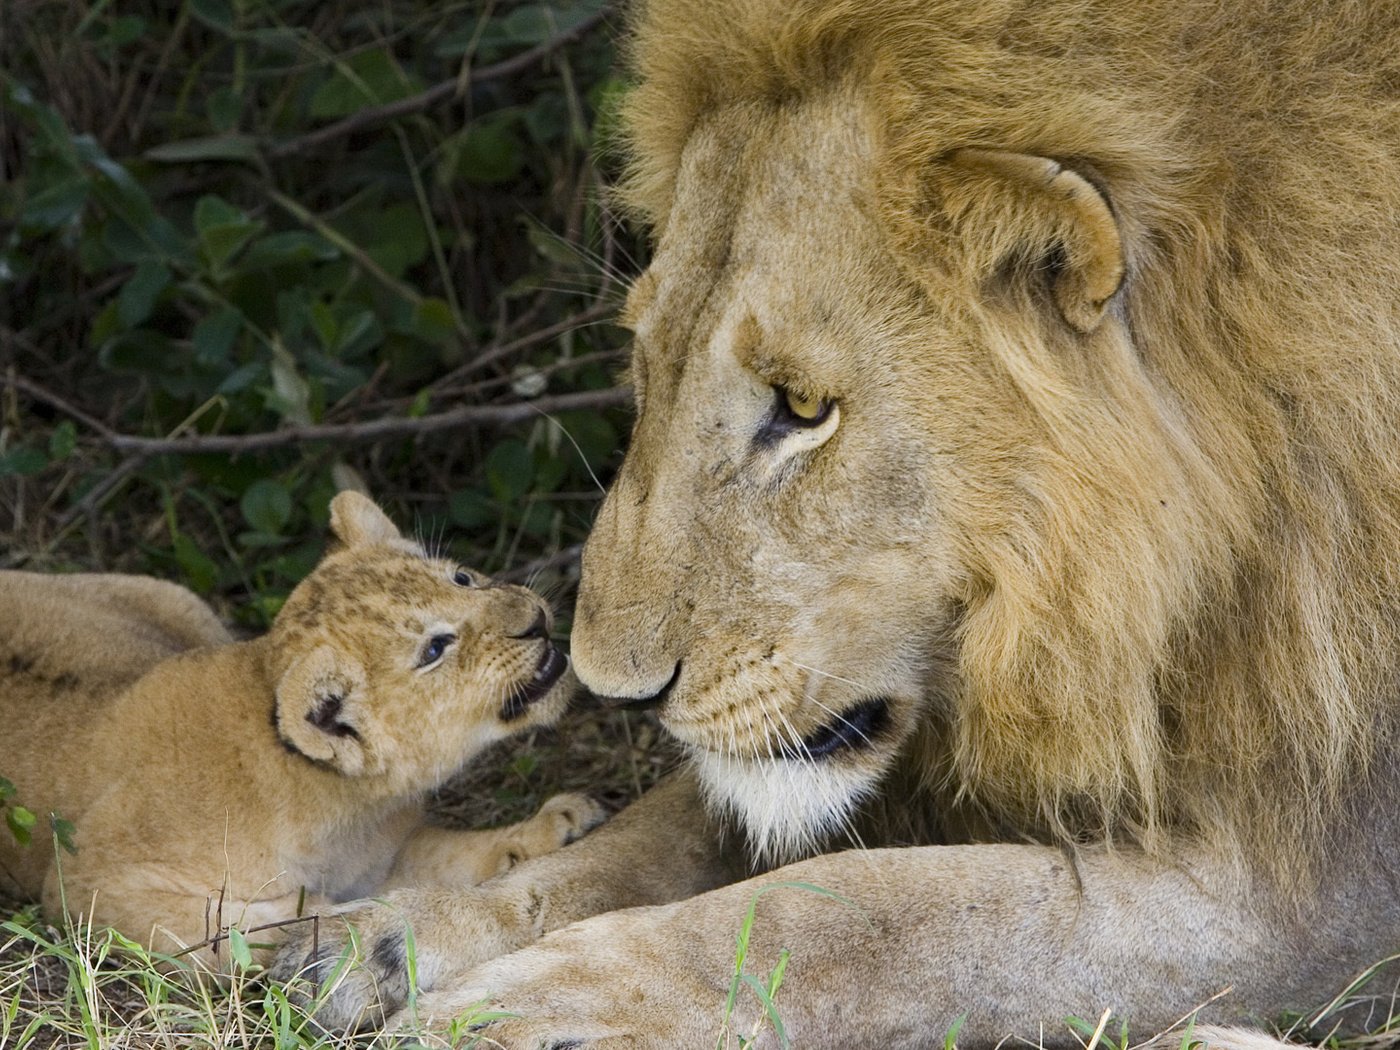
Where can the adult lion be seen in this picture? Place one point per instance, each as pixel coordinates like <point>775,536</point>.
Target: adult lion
<point>1017,463</point>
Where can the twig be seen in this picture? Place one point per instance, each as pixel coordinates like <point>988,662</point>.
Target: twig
<point>214,941</point>
<point>39,393</point>
<point>432,96</point>
<point>368,430</point>
<point>492,354</point>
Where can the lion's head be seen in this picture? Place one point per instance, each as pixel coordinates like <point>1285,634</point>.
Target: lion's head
<point>393,664</point>
<point>990,426</point>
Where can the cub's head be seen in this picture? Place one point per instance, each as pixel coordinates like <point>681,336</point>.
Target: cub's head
<point>394,665</point>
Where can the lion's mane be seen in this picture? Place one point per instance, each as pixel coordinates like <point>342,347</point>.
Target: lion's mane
<point>1215,658</point>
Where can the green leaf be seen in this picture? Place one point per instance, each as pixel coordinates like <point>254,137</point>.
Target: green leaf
<point>200,571</point>
<point>489,153</point>
<point>125,30</point>
<point>63,833</point>
<point>138,296</point>
<point>224,107</point>
<point>223,230</point>
<point>7,789</point>
<point>290,396</point>
<point>238,948</point>
<point>400,241</point>
<point>285,249</point>
<point>22,461</point>
<point>106,324</point>
<point>212,210</point>
<point>367,79</point>
<point>432,322</point>
<point>205,148</point>
<point>950,1040</point>
<point>590,437</point>
<point>214,335</point>
<point>510,469</point>
<point>266,506</point>
<point>358,332</point>
<point>63,440</point>
<point>21,823</point>
<point>216,14</point>
<point>770,1008</point>
<point>472,508</point>
<point>56,205</point>
<point>538,519</point>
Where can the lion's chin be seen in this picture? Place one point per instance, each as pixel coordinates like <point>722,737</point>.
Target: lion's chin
<point>789,809</point>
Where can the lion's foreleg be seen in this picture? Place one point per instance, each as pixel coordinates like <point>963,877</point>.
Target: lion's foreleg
<point>890,947</point>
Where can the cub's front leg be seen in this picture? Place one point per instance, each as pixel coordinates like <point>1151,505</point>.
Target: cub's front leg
<point>662,848</point>
<point>449,857</point>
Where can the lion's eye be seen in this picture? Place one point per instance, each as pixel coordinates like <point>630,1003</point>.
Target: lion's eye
<point>462,578</point>
<point>802,411</point>
<point>437,645</point>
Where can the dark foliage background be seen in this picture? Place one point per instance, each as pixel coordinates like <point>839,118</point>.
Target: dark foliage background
<point>253,248</point>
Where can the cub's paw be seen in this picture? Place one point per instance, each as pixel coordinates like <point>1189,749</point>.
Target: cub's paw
<point>347,965</point>
<point>569,816</point>
<point>560,821</point>
<point>351,967</point>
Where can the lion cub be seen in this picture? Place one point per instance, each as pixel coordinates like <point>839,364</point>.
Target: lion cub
<point>216,783</point>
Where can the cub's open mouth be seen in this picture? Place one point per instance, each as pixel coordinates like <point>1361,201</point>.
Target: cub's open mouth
<point>550,669</point>
<point>854,729</point>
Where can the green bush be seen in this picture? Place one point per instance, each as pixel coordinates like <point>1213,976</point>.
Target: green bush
<point>247,246</point>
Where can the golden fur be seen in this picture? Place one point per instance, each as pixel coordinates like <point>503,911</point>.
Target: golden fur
<point>1184,584</point>
<point>1014,491</point>
<point>214,782</point>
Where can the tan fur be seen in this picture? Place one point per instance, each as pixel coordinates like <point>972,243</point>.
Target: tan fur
<point>131,712</point>
<point>1098,544</point>
<point>1192,510</point>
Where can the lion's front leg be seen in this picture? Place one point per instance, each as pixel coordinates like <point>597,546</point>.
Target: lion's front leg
<point>889,948</point>
<point>662,848</point>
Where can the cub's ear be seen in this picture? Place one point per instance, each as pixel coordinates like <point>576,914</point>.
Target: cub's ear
<point>357,521</point>
<point>1018,203</point>
<point>320,707</point>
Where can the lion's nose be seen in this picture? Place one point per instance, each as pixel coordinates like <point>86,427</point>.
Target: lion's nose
<point>646,700</point>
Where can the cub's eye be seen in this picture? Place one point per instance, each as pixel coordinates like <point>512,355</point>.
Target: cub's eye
<point>437,645</point>
<point>462,578</point>
<point>800,411</point>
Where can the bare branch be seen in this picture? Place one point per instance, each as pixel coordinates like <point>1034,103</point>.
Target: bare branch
<point>40,393</point>
<point>368,430</point>
<point>492,354</point>
<point>432,96</point>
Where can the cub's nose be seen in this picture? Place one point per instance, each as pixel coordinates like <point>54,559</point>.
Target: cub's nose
<point>539,627</point>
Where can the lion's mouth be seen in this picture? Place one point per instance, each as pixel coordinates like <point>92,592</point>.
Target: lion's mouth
<point>549,670</point>
<point>853,730</point>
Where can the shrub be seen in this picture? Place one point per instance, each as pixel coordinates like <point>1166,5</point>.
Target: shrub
<point>253,248</point>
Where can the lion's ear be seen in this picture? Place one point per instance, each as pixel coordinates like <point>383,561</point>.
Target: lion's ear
<point>319,709</point>
<point>357,521</point>
<point>1018,201</point>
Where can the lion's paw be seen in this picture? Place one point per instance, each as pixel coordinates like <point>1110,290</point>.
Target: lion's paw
<point>613,981</point>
